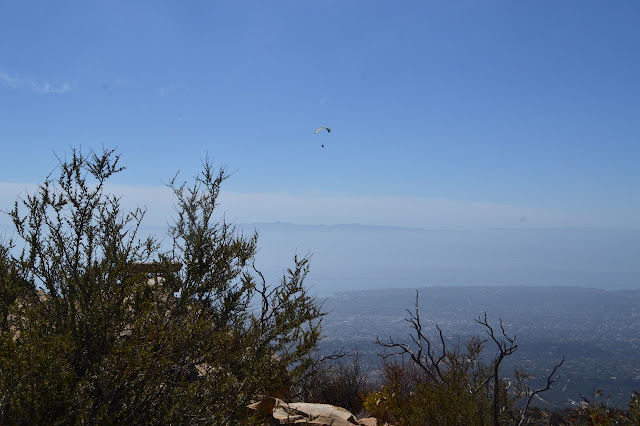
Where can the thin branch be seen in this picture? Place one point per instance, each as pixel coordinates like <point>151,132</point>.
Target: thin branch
<point>550,380</point>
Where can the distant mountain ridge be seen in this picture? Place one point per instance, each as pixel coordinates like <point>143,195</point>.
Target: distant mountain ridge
<point>340,226</point>
<point>353,256</point>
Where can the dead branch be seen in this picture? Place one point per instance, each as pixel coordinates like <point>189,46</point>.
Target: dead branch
<point>505,347</point>
<point>424,356</point>
<point>550,380</point>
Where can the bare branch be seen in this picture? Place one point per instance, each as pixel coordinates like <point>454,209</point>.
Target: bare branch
<point>505,348</point>
<point>550,380</point>
<point>424,355</point>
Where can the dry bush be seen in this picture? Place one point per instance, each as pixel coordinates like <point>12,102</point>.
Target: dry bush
<point>337,380</point>
<point>428,381</point>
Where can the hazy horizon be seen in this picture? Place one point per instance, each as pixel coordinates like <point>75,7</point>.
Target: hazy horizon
<point>346,257</point>
<point>359,257</point>
<point>508,129</point>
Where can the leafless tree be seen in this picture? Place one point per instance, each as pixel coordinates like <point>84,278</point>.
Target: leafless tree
<point>425,356</point>
<point>506,346</point>
<point>525,390</point>
<point>436,361</point>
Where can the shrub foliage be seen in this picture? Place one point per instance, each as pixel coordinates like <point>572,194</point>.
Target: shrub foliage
<point>431,382</point>
<point>101,326</point>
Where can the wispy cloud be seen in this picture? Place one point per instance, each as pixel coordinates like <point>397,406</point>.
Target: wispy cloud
<point>46,88</point>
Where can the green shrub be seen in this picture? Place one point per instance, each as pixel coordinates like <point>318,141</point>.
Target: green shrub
<point>435,384</point>
<point>461,396</point>
<point>597,411</point>
<point>99,326</point>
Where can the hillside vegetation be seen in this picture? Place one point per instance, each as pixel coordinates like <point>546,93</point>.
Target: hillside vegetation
<point>100,326</point>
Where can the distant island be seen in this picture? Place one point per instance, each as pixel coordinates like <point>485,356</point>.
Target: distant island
<point>353,256</point>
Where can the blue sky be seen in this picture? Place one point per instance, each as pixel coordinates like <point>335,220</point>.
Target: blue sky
<point>444,114</point>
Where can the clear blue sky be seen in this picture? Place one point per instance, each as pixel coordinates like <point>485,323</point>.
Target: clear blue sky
<point>443,113</point>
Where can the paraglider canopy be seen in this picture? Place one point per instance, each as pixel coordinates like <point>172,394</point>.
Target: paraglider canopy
<point>320,128</point>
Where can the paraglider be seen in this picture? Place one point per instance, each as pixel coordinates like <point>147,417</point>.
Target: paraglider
<point>320,128</point>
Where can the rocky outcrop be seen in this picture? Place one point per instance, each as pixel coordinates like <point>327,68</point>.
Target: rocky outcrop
<point>284,413</point>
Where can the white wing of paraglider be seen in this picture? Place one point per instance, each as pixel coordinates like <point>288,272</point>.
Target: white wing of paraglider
<point>320,128</point>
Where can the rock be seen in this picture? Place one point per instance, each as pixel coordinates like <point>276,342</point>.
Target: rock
<point>307,413</point>
<point>318,414</point>
<point>265,406</point>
